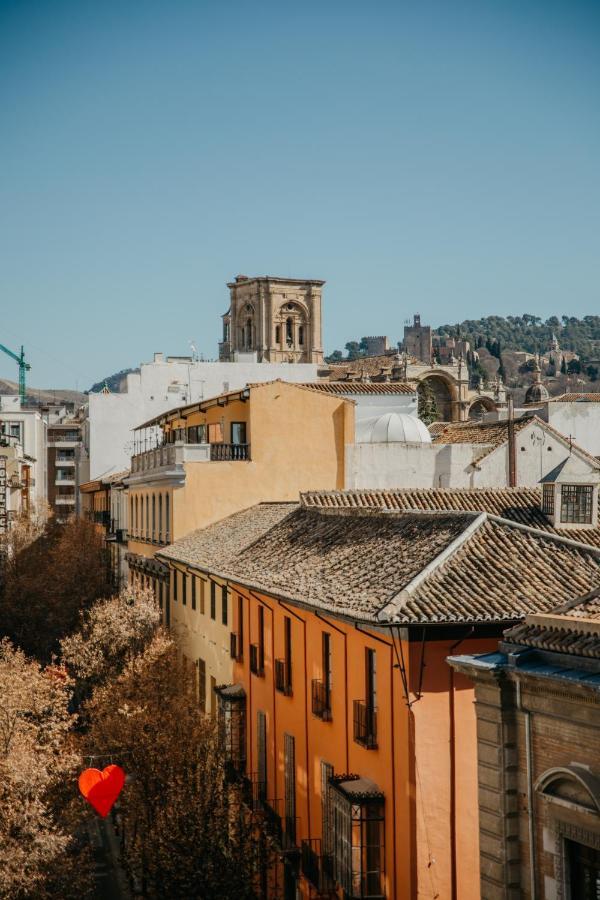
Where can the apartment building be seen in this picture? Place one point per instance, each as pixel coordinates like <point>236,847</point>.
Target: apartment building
<point>355,741</point>
<point>24,428</point>
<point>68,461</point>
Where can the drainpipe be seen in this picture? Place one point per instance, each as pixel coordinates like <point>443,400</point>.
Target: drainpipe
<point>512,454</point>
<point>530,808</point>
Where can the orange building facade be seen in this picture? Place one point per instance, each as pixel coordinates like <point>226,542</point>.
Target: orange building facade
<point>355,740</point>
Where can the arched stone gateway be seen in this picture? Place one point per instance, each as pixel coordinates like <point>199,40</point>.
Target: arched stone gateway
<point>445,394</point>
<point>480,406</point>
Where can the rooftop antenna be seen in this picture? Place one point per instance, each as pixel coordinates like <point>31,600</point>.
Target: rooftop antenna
<point>194,351</point>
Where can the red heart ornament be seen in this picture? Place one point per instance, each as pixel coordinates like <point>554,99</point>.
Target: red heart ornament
<point>101,789</point>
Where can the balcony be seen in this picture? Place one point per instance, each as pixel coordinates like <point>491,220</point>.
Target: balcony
<point>65,461</point>
<point>283,681</point>
<point>321,700</point>
<point>229,452</point>
<point>316,866</point>
<point>65,500</point>
<point>257,662</point>
<point>65,482</point>
<point>365,724</point>
<point>253,792</point>
<point>101,517</point>
<point>173,456</point>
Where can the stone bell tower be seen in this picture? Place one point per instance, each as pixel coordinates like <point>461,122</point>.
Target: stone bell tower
<point>273,319</point>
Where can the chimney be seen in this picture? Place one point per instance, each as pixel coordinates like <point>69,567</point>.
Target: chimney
<point>159,357</point>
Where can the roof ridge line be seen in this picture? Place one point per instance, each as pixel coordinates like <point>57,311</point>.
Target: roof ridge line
<point>540,532</point>
<point>382,614</point>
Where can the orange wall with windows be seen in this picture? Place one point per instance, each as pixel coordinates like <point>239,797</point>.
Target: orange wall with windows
<point>425,760</point>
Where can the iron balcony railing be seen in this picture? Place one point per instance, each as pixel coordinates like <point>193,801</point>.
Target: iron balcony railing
<point>229,452</point>
<point>321,700</point>
<point>257,663</point>
<point>253,791</point>
<point>365,724</point>
<point>283,681</point>
<point>316,866</point>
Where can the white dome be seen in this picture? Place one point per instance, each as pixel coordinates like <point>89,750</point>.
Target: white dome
<point>392,427</point>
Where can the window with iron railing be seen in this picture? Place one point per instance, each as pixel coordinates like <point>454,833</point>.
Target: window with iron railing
<point>317,866</point>
<point>282,677</point>
<point>365,724</point>
<point>321,700</point>
<point>231,700</point>
<point>255,661</point>
<point>358,838</point>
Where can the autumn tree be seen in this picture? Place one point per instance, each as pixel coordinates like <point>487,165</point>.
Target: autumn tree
<point>47,581</point>
<point>40,817</point>
<point>111,633</point>
<point>185,832</point>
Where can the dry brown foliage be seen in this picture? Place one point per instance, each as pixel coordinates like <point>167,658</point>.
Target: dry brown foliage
<point>184,835</point>
<point>110,634</point>
<point>40,856</point>
<point>48,577</point>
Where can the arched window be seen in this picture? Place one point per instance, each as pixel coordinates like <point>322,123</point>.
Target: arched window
<point>289,331</point>
<point>301,335</point>
<point>160,521</point>
<point>168,518</point>
<point>278,334</point>
<point>248,338</point>
<point>153,517</point>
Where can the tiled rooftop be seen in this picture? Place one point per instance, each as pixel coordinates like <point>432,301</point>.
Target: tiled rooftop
<point>572,629</point>
<point>362,387</point>
<point>365,365</point>
<point>409,568</point>
<point>576,398</point>
<point>492,434</point>
<point>516,504</point>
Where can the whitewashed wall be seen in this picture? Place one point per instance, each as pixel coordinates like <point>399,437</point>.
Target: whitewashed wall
<point>397,465</point>
<point>160,386</point>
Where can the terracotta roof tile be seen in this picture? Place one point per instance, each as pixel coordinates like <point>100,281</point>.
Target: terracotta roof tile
<point>393,567</point>
<point>362,387</point>
<point>521,505</point>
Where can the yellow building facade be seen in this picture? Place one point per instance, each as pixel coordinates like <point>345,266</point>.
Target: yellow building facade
<point>267,442</point>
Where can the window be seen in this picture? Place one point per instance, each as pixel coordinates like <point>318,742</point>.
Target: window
<point>175,580</point>
<point>202,588</point>
<point>289,331</point>
<point>261,639</point>
<point>365,711</point>
<point>261,750</point>
<point>326,816</point>
<point>289,778</point>
<point>576,503</point>
<point>213,696</point>
<point>301,335</point>
<point>215,433</point>
<point>321,688</point>
<point>240,626</point>
<point>287,624</point>
<point>224,604</point>
<point>168,518</point>
<point>184,581</point>
<point>548,499</point>
<point>153,517</point>
<point>193,591</point>
<point>584,871</point>
<point>213,600</point>
<point>231,706</point>
<point>358,836</point>
<point>160,518</point>
<point>238,433</point>
<point>168,605</point>
<point>278,334</point>
<point>147,518</point>
<point>202,685</point>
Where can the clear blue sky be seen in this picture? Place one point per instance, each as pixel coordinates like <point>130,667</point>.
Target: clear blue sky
<point>440,157</point>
